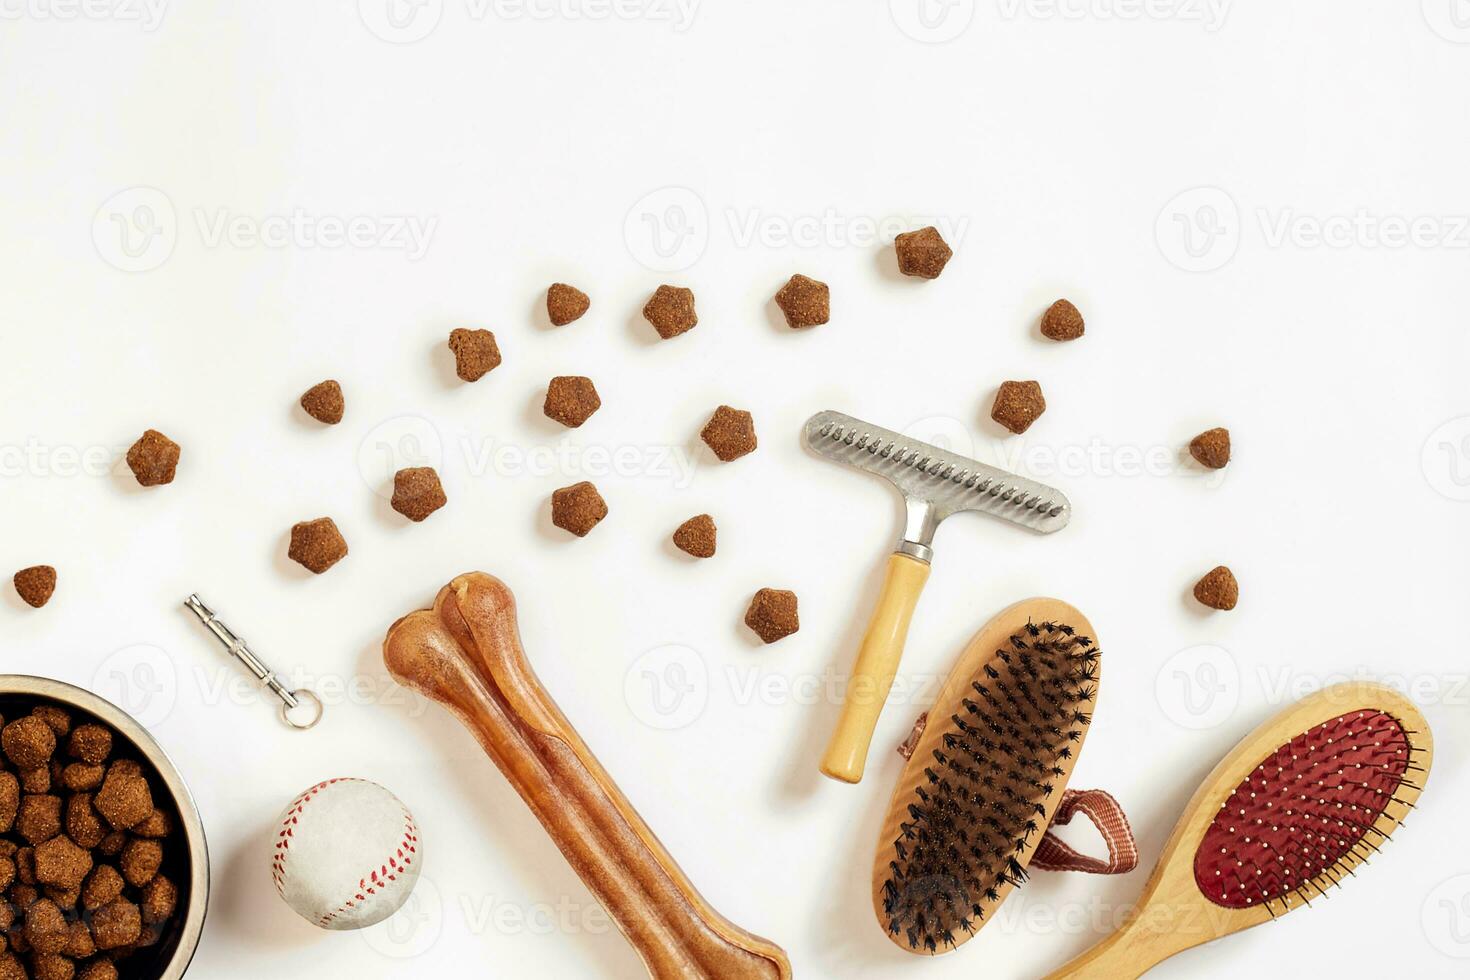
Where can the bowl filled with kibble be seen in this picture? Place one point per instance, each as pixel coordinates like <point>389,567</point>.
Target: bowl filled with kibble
<point>104,873</point>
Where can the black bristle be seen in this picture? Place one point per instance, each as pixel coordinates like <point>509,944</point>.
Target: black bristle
<point>987,786</point>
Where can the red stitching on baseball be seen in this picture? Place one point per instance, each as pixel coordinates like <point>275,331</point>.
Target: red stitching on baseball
<point>410,838</point>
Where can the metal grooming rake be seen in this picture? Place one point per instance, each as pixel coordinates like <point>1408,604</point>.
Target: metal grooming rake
<point>934,484</point>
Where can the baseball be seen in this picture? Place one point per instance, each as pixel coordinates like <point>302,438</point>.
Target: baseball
<point>346,854</point>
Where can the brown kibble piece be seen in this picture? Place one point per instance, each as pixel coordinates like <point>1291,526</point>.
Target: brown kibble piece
<point>153,459</point>
<point>28,742</point>
<point>578,508</point>
<point>82,777</point>
<point>36,585</point>
<point>157,824</point>
<point>565,303</point>
<point>696,536</point>
<point>98,969</point>
<point>1211,448</point>
<point>160,896</point>
<point>115,924</point>
<point>324,402</point>
<point>124,799</point>
<point>805,302</point>
<point>103,885</point>
<point>83,824</point>
<point>11,968</point>
<point>730,432</point>
<point>417,492</point>
<point>9,800</point>
<point>671,311</point>
<point>90,743</point>
<point>1063,321</point>
<point>571,400</point>
<point>79,942</point>
<point>37,780</point>
<point>1018,404</point>
<point>140,861</point>
<point>112,844</point>
<point>317,545</point>
<point>475,353</point>
<point>1218,589</point>
<point>46,928</point>
<point>7,873</point>
<point>922,253</point>
<point>62,864</point>
<point>772,614</point>
<point>57,718</point>
<point>52,966</point>
<point>39,818</point>
<point>25,866</point>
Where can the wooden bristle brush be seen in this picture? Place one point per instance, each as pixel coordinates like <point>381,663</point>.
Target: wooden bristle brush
<point>1287,816</point>
<point>466,653</point>
<point>986,775</point>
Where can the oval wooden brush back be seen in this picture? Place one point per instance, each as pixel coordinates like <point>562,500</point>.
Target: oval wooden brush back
<point>962,895</point>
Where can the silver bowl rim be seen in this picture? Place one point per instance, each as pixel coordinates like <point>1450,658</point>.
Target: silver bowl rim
<point>193,825</point>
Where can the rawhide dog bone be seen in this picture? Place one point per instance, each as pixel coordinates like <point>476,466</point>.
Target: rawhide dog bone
<point>466,653</point>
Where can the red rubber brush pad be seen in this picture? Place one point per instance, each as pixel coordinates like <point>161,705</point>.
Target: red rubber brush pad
<point>1302,810</point>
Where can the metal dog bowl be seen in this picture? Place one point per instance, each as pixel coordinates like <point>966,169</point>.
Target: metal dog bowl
<point>188,866</point>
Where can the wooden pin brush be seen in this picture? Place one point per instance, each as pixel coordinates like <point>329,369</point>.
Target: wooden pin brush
<point>466,653</point>
<point>1285,817</point>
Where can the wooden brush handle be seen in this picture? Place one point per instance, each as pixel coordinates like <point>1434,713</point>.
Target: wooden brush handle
<point>877,663</point>
<point>466,653</point>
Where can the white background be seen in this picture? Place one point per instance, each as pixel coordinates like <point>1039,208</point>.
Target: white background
<point>1223,191</point>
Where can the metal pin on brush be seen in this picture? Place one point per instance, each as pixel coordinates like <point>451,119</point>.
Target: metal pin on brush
<point>290,700</point>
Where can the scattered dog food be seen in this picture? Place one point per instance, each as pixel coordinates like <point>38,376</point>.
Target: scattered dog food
<point>772,614</point>
<point>671,311</point>
<point>571,400</point>
<point>1063,321</point>
<point>565,303</point>
<point>922,253</point>
<point>696,536</point>
<point>317,545</point>
<point>475,353</point>
<point>417,492</point>
<point>578,508</point>
<point>1018,404</point>
<point>64,911</point>
<point>1212,448</point>
<point>324,402</point>
<point>805,302</point>
<point>153,459</point>
<point>36,585</point>
<point>1218,589</point>
<point>730,432</point>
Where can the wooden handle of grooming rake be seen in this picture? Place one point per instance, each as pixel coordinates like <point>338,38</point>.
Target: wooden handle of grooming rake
<point>466,653</point>
<point>877,663</point>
